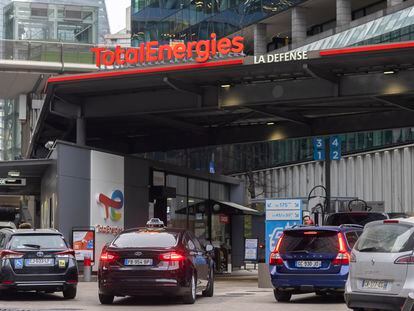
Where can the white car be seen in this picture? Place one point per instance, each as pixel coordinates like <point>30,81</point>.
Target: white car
<point>382,266</point>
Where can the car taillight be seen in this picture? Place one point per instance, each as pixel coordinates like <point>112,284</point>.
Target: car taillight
<point>275,258</point>
<point>70,253</point>
<point>6,254</point>
<point>405,260</point>
<point>108,257</point>
<point>391,221</point>
<point>172,256</point>
<point>343,257</point>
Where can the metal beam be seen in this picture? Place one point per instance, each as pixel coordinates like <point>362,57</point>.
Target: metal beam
<point>395,101</point>
<point>279,113</point>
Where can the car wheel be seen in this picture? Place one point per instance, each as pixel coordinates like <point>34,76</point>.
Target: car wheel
<point>69,293</point>
<point>190,297</point>
<point>106,299</point>
<point>209,291</point>
<point>282,296</point>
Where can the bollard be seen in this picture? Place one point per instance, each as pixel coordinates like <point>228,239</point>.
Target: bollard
<point>409,303</point>
<point>87,269</point>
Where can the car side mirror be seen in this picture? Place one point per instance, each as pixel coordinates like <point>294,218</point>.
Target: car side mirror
<point>209,248</point>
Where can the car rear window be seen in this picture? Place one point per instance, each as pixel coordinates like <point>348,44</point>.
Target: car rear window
<point>146,239</point>
<point>310,241</point>
<point>386,238</point>
<point>354,218</point>
<point>37,241</point>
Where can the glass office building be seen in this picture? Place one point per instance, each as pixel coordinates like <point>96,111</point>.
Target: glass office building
<point>83,21</point>
<point>167,20</point>
<point>50,22</point>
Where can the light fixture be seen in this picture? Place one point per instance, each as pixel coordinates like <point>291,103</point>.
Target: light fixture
<point>389,72</point>
<point>270,123</point>
<point>14,174</point>
<point>225,86</point>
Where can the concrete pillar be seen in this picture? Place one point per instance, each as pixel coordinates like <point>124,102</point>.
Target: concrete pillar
<point>343,12</point>
<point>394,2</point>
<point>260,41</point>
<point>80,131</point>
<point>298,24</point>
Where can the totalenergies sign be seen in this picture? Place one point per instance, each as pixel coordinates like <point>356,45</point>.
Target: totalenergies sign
<point>150,52</point>
<point>112,205</point>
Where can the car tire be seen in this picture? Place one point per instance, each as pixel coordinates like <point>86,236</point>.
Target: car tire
<point>282,296</point>
<point>190,297</point>
<point>69,293</point>
<point>106,299</point>
<point>209,291</point>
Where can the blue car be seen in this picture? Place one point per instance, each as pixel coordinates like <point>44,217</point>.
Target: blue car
<point>312,259</point>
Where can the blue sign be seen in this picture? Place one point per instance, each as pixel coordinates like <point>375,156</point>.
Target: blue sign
<point>280,215</point>
<point>211,167</point>
<point>319,149</point>
<point>18,264</point>
<point>335,148</point>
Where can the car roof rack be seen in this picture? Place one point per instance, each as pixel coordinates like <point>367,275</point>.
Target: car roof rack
<point>351,226</point>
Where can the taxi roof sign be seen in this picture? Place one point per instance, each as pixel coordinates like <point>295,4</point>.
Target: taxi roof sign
<point>155,223</point>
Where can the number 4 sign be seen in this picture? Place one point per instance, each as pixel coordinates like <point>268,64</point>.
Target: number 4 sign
<point>335,148</point>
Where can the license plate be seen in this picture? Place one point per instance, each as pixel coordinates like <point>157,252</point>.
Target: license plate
<point>138,262</point>
<point>44,262</point>
<point>308,264</point>
<point>374,284</point>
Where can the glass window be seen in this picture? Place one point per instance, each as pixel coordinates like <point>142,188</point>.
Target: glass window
<point>386,238</point>
<point>352,238</point>
<point>177,182</point>
<point>146,239</point>
<point>37,241</point>
<point>320,242</point>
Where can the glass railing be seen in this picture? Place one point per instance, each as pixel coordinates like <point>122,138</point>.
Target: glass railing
<point>198,19</point>
<point>41,51</point>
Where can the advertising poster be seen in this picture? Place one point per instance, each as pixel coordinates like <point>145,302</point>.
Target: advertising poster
<point>250,249</point>
<point>83,244</point>
<point>280,215</point>
<point>107,197</point>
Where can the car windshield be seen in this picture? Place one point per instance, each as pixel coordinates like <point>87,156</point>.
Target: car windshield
<point>310,242</point>
<point>37,241</point>
<point>146,239</point>
<point>386,238</point>
<point>354,218</point>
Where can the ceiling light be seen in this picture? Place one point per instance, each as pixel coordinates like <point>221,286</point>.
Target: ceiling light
<point>270,123</point>
<point>14,173</point>
<point>389,72</point>
<point>225,86</point>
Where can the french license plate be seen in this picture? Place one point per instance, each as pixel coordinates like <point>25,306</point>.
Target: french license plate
<point>44,262</point>
<point>374,284</point>
<point>138,262</point>
<point>308,264</point>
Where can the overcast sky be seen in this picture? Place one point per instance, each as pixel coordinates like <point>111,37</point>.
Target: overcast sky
<point>116,13</point>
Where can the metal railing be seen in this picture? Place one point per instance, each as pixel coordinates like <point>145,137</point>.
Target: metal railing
<point>42,51</point>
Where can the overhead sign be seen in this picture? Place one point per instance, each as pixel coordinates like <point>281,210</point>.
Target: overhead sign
<point>335,152</point>
<point>319,149</point>
<point>280,214</point>
<point>151,52</point>
<point>280,57</point>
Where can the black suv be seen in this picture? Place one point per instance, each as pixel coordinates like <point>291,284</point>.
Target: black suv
<point>37,260</point>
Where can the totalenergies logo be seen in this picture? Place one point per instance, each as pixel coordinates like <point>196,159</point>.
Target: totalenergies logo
<point>149,52</point>
<point>112,205</point>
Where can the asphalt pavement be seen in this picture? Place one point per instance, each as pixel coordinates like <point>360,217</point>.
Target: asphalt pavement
<point>234,293</point>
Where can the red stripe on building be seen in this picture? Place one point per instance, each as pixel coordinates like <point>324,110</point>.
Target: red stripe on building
<point>148,70</point>
<point>367,48</point>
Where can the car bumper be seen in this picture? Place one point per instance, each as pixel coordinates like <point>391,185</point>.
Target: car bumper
<point>374,301</point>
<point>38,286</point>
<point>309,282</point>
<point>156,286</point>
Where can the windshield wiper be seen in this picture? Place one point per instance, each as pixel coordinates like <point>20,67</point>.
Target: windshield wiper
<point>32,245</point>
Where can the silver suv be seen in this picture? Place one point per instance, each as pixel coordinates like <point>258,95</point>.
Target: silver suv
<point>382,266</point>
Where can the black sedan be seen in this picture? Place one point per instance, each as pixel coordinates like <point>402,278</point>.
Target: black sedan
<point>155,261</point>
<point>37,260</point>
